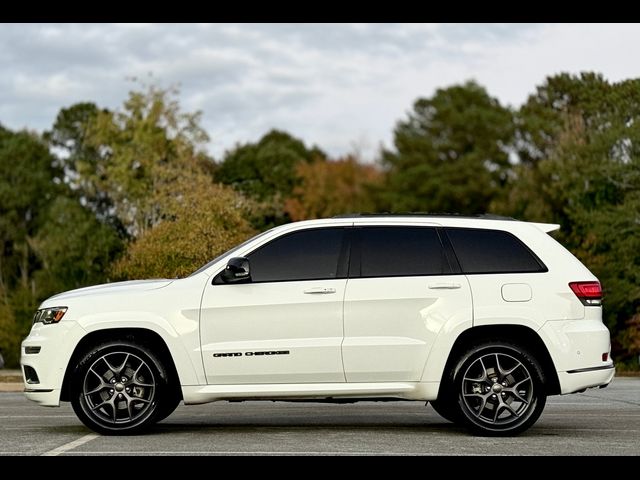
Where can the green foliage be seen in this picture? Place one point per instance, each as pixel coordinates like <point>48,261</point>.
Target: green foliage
<point>202,220</point>
<point>451,153</point>
<point>48,241</point>
<point>74,247</point>
<point>80,160</point>
<point>266,171</point>
<point>141,148</point>
<point>160,185</point>
<point>27,185</point>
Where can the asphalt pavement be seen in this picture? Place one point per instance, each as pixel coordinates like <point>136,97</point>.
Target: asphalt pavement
<point>597,422</point>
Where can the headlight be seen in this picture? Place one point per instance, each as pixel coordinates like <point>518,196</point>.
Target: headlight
<point>49,315</point>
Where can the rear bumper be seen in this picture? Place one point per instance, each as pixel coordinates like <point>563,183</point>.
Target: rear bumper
<point>576,348</point>
<point>575,381</point>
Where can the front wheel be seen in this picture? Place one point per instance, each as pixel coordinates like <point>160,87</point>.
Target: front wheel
<point>500,389</point>
<point>448,411</point>
<point>168,407</point>
<point>119,388</point>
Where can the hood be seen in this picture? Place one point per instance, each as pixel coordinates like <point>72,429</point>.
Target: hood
<point>107,288</point>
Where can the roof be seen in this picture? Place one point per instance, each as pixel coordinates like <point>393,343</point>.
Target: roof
<point>485,216</point>
<point>545,227</point>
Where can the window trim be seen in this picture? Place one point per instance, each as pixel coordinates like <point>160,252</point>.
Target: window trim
<point>450,255</point>
<point>355,267</point>
<point>342,268</point>
<point>543,268</point>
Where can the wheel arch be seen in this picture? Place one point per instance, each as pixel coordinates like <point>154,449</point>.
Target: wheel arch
<point>519,334</point>
<point>142,336</point>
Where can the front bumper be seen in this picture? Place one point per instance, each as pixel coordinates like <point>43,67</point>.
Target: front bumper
<point>46,398</point>
<point>56,342</point>
<point>576,348</point>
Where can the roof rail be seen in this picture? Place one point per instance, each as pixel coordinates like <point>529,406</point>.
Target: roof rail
<point>485,216</point>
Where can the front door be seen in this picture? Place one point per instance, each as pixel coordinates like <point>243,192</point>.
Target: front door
<point>402,293</point>
<point>286,325</point>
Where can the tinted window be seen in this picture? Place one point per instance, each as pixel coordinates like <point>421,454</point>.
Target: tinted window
<point>401,251</point>
<point>229,252</point>
<point>491,251</point>
<point>304,255</point>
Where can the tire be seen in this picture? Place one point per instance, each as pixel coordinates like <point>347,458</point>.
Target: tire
<point>168,407</point>
<point>120,388</point>
<point>500,389</point>
<point>448,410</point>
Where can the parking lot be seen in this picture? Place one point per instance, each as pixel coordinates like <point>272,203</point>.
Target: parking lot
<point>597,422</point>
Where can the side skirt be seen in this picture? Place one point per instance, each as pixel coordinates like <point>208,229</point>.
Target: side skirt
<point>332,392</point>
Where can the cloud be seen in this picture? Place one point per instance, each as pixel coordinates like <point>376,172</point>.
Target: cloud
<point>342,87</point>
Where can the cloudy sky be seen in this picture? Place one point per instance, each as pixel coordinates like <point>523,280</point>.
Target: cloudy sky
<point>341,87</point>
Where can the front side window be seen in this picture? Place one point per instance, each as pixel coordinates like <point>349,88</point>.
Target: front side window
<point>303,255</point>
<point>401,251</point>
<point>229,252</point>
<point>492,251</point>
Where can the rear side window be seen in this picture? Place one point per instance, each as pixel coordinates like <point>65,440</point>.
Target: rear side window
<point>401,251</point>
<point>492,251</point>
<point>303,255</point>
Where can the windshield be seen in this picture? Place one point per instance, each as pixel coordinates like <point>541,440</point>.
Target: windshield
<point>229,252</point>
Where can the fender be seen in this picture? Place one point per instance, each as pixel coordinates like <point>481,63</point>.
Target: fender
<point>186,358</point>
<point>449,333</point>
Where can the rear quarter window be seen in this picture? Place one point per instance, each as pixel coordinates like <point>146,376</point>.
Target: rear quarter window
<point>492,251</point>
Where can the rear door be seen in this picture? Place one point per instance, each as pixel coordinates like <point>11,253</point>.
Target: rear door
<point>402,290</point>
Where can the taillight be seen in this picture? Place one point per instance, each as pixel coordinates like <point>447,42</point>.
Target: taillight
<point>589,293</point>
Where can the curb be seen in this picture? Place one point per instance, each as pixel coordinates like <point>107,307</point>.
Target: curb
<point>11,387</point>
<point>10,376</point>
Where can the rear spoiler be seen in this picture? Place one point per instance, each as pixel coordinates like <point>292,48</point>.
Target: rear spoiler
<point>547,227</point>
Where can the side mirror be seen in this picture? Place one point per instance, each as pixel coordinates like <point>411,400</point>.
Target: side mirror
<point>236,271</point>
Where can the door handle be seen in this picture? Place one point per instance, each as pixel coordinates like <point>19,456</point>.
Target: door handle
<point>444,286</point>
<point>319,291</point>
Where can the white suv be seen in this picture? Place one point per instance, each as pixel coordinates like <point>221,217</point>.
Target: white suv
<point>483,317</point>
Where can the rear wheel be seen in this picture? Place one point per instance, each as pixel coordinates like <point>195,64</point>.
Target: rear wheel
<point>120,387</point>
<point>500,389</point>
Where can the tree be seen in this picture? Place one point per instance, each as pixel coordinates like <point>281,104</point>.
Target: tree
<point>139,150</point>
<point>80,159</point>
<point>451,154</point>
<point>201,220</point>
<point>579,137</point>
<point>75,249</point>
<point>49,242</point>
<point>327,188</point>
<point>10,334</point>
<point>28,183</point>
<point>266,170</point>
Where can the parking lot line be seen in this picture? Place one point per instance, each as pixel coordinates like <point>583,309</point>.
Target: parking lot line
<point>70,446</point>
